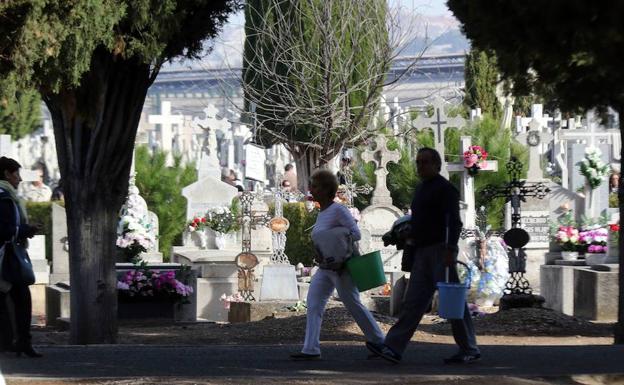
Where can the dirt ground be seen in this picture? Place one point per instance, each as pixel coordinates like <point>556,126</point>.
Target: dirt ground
<point>510,327</point>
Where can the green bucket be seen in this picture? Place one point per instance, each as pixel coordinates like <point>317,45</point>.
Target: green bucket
<point>367,270</point>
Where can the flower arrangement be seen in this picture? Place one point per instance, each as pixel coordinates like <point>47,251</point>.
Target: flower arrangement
<point>593,168</point>
<point>196,224</point>
<point>568,238</point>
<point>134,229</point>
<point>221,219</point>
<point>595,239</point>
<point>474,159</point>
<point>228,299</point>
<point>144,283</point>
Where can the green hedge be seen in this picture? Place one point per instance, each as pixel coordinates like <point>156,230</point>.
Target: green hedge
<point>40,213</point>
<point>299,243</point>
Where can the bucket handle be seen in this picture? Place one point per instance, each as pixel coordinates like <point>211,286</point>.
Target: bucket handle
<point>468,278</point>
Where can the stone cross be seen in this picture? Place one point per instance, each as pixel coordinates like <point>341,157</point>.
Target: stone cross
<point>166,122</point>
<point>209,163</point>
<point>351,189</point>
<point>440,123</point>
<point>534,138</point>
<point>381,156</point>
<point>467,182</point>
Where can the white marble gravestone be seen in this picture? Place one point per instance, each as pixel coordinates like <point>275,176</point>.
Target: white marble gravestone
<point>166,121</point>
<point>37,254</point>
<point>377,219</point>
<point>60,246</point>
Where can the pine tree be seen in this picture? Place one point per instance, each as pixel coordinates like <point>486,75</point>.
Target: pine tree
<point>92,62</point>
<point>482,79</point>
<point>21,115</point>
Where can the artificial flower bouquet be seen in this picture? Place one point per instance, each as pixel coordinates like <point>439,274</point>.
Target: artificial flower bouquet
<point>222,220</point>
<point>568,237</point>
<point>142,283</point>
<point>475,158</point>
<point>594,239</point>
<point>593,168</point>
<point>196,224</point>
<point>133,236</point>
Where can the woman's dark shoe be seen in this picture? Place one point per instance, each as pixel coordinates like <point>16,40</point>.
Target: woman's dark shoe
<point>28,351</point>
<point>305,357</point>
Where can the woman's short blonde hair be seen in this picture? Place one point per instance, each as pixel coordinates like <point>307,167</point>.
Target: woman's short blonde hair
<point>327,182</point>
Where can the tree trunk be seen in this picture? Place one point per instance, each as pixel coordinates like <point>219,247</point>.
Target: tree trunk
<point>307,160</point>
<point>619,326</point>
<point>95,126</point>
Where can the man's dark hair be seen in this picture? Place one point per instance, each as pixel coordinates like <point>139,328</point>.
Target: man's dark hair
<point>435,156</point>
<point>288,167</point>
<point>8,164</point>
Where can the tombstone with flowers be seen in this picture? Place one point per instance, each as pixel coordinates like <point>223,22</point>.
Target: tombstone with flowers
<point>136,234</point>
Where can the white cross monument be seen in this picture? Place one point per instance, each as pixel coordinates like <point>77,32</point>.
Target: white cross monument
<point>381,156</point>
<point>440,123</point>
<point>467,182</point>
<point>166,122</point>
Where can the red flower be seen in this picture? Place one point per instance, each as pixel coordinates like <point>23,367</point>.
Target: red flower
<point>614,227</point>
<point>195,220</point>
<point>203,220</point>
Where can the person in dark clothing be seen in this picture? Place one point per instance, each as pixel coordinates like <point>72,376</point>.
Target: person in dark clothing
<point>435,232</point>
<point>14,226</point>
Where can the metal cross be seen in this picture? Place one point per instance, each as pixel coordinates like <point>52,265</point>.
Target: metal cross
<point>352,190</point>
<point>246,260</point>
<point>516,191</point>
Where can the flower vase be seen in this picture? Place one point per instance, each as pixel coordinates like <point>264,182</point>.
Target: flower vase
<point>613,249</point>
<point>203,239</point>
<point>595,258</point>
<point>220,240</point>
<point>569,255</point>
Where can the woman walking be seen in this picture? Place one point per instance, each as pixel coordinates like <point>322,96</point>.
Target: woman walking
<point>14,230</point>
<point>335,218</point>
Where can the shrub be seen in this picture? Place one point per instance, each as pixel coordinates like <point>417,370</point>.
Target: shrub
<point>161,187</point>
<point>40,213</point>
<point>299,246</point>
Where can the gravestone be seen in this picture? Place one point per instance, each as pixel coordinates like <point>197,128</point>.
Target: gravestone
<point>279,280</point>
<point>152,255</point>
<point>60,246</point>
<point>377,219</point>
<point>37,254</point>
<point>439,123</point>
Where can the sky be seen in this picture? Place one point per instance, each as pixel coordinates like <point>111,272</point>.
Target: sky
<point>434,14</point>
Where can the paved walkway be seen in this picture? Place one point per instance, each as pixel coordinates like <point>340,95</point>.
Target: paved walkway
<point>344,361</point>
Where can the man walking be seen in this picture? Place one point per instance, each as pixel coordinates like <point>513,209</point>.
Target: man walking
<point>435,232</point>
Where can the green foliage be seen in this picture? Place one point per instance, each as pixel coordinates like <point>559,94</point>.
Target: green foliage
<point>21,115</point>
<point>481,77</point>
<point>613,200</point>
<point>570,47</point>
<point>299,247</point>
<point>40,213</point>
<point>51,43</point>
<point>161,187</point>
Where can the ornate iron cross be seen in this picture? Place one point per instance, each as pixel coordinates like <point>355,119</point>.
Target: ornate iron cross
<point>246,260</point>
<point>516,191</point>
<point>351,189</point>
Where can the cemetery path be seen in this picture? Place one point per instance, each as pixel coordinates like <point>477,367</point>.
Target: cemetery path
<point>511,327</point>
<point>343,363</point>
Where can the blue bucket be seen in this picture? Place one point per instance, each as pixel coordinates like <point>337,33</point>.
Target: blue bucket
<point>452,297</point>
